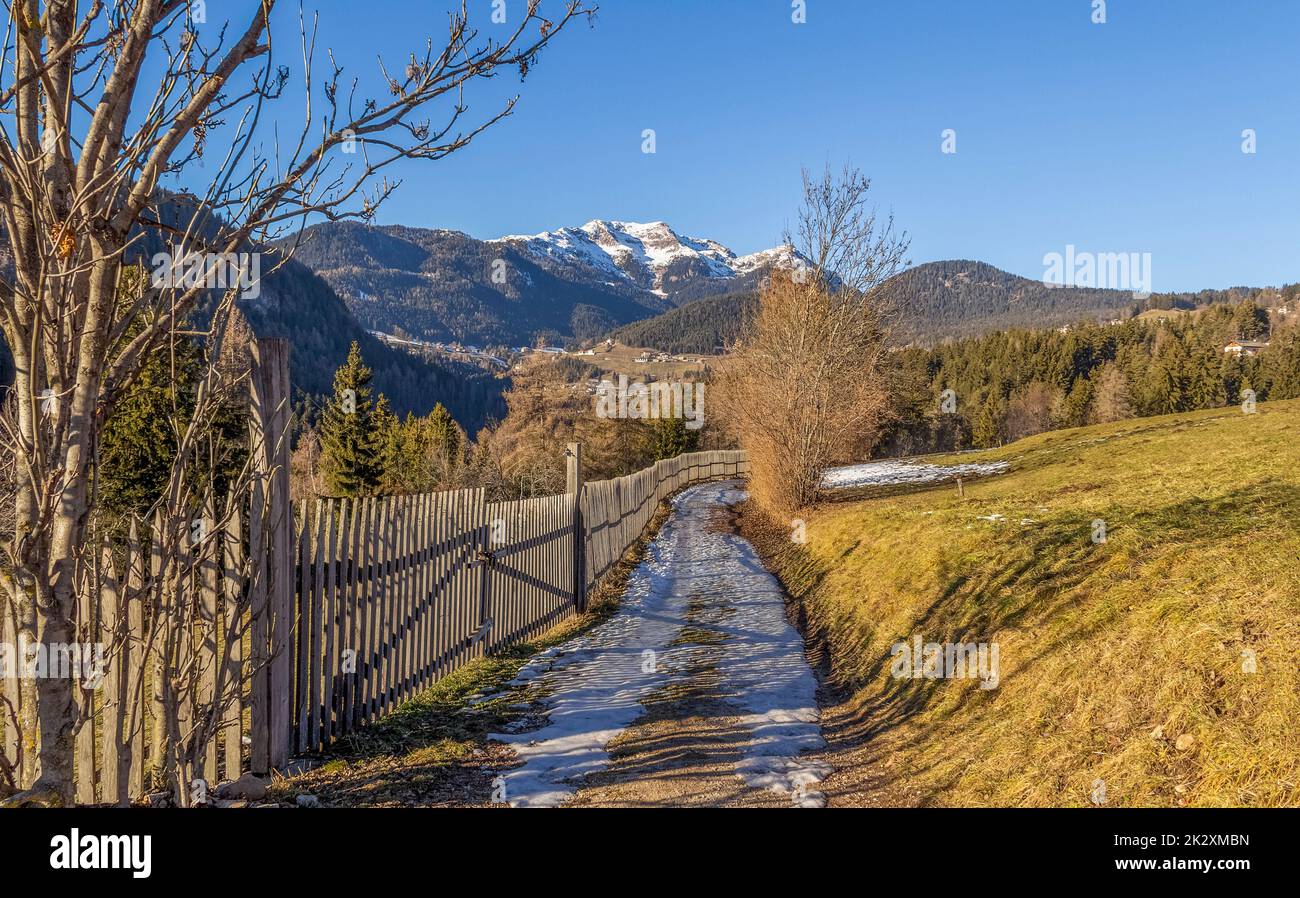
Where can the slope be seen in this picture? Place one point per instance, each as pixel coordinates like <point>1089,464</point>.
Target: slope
<point>700,327</point>
<point>1154,668</point>
<point>439,285</point>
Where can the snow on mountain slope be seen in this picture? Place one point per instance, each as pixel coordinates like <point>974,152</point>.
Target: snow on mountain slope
<point>777,257</point>
<point>650,255</point>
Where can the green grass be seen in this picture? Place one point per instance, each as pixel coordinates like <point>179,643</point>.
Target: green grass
<point>1110,652</point>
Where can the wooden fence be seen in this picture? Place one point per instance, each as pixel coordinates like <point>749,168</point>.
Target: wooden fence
<point>396,592</point>
<point>307,623</point>
<point>615,512</point>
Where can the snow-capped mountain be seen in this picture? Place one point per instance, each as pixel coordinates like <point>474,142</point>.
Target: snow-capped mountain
<point>435,284</point>
<point>648,255</point>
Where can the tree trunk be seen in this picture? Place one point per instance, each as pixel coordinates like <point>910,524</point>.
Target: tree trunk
<point>58,714</point>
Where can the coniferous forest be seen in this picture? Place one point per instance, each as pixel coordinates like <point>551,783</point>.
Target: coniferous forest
<point>1019,382</point>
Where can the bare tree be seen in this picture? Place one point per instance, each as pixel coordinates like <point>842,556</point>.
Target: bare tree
<point>806,385</point>
<point>1029,410</point>
<point>1113,400</point>
<point>102,101</point>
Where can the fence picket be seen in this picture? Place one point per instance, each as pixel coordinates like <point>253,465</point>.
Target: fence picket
<point>136,663</point>
<point>382,591</point>
<point>308,627</point>
<point>442,571</point>
<point>330,617</point>
<point>404,598</point>
<point>158,659</point>
<point>347,644</point>
<point>232,578</point>
<point>361,710</point>
<point>113,775</point>
<point>260,631</point>
<point>426,585</point>
<point>464,577</point>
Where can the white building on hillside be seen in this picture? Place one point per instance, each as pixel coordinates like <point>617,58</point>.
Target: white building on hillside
<point>1244,347</point>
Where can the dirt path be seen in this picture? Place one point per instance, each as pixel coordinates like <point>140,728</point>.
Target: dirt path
<point>695,693</point>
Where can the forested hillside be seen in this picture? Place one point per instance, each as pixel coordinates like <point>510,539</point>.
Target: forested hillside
<point>1015,383</point>
<point>941,301</point>
<point>297,304</point>
<point>961,298</point>
<point>929,303</point>
<point>702,326</point>
<point>438,285</point>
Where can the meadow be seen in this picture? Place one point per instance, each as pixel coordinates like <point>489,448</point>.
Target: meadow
<point>1155,666</point>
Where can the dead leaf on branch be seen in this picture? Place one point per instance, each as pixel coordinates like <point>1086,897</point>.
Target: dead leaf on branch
<point>64,240</point>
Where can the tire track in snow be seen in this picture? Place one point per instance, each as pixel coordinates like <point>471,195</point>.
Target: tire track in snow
<point>596,683</point>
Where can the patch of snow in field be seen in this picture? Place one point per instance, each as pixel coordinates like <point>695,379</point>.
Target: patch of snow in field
<point>890,472</point>
<point>598,681</point>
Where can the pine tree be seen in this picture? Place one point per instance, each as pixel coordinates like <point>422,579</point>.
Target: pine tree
<point>139,442</point>
<point>1077,406</point>
<point>670,437</point>
<point>448,440</point>
<point>987,429</point>
<point>140,439</point>
<point>1250,321</point>
<point>396,453</point>
<point>350,439</point>
<point>1165,384</point>
<point>1279,366</point>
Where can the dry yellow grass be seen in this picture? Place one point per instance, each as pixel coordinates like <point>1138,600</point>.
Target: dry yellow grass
<point>1125,662</point>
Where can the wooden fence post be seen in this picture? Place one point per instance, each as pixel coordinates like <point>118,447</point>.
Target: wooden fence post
<point>270,416</point>
<point>573,487</point>
<point>232,557</point>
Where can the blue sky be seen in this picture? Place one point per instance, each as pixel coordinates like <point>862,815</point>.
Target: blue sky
<point>1118,137</point>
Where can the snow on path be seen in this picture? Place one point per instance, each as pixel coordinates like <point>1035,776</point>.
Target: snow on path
<point>763,668</point>
<point>890,472</point>
<point>597,681</point>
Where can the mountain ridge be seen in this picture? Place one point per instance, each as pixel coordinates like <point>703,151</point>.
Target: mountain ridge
<point>954,298</point>
<point>612,276</point>
<point>567,284</point>
<point>651,254</point>
<point>930,303</point>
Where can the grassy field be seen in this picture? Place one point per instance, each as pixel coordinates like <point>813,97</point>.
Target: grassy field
<point>622,360</point>
<point>1158,667</point>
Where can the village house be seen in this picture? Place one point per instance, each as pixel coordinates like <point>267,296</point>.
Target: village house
<point>1244,347</point>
